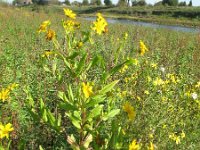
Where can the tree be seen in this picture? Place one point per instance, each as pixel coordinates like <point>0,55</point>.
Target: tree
<point>98,2</point>
<point>85,2</point>
<point>108,2</point>
<point>67,2</point>
<point>190,3</point>
<point>95,2</point>
<point>182,4</point>
<point>139,3</point>
<point>170,2</point>
<point>121,3</point>
<point>158,3</point>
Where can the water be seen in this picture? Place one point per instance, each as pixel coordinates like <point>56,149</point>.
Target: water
<point>152,25</point>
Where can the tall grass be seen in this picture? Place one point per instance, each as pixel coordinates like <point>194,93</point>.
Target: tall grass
<point>166,110</point>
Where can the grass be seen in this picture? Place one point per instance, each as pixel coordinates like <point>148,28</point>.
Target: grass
<point>168,109</point>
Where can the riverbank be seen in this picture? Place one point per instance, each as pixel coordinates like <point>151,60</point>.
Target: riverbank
<point>162,21</point>
<point>182,16</point>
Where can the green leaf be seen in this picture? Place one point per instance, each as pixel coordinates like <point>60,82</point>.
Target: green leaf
<point>52,120</point>
<point>87,141</point>
<point>111,114</point>
<point>94,61</point>
<point>75,120</point>
<point>62,96</point>
<point>74,55</point>
<point>108,87</point>
<point>43,111</point>
<point>81,64</point>
<point>44,116</point>
<point>70,94</point>
<point>59,120</point>
<point>72,141</point>
<point>40,148</point>
<point>115,69</point>
<point>95,100</point>
<point>54,66</point>
<point>68,66</point>
<point>67,106</point>
<point>46,69</point>
<point>95,112</point>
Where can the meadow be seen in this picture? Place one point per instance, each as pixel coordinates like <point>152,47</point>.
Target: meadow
<point>66,83</point>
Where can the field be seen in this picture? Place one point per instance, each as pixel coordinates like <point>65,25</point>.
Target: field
<point>66,83</point>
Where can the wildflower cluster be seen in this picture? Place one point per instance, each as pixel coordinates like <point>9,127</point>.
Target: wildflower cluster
<point>100,25</point>
<point>87,90</point>
<point>70,25</point>
<point>4,93</point>
<point>5,130</point>
<point>143,48</point>
<point>69,13</point>
<point>44,27</point>
<point>177,138</point>
<point>135,145</point>
<point>143,83</point>
<point>129,110</point>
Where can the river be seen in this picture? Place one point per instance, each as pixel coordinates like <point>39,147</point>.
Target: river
<point>147,24</point>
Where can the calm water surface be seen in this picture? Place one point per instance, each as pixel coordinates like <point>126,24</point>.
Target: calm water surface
<point>146,24</point>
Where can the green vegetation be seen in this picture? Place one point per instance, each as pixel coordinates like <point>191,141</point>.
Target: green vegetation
<point>116,87</point>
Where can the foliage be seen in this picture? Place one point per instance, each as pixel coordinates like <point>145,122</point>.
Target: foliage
<point>190,3</point>
<point>139,3</point>
<point>67,2</point>
<point>85,2</point>
<point>121,3</point>
<point>108,2</point>
<point>170,2</point>
<point>95,2</point>
<point>182,4</point>
<point>79,88</point>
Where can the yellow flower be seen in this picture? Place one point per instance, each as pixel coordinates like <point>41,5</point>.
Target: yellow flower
<point>158,81</point>
<point>149,79</point>
<point>100,25</point>
<point>70,25</point>
<point>182,134</point>
<point>130,110</point>
<point>126,36</point>
<point>175,138</point>
<point>143,48</point>
<point>47,53</point>
<point>43,26</point>
<point>50,35</point>
<point>154,65</point>
<point>69,13</point>
<point>146,92</point>
<point>4,94</point>
<point>87,90</point>
<point>125,67</point>
<point>12,86</point>
<point>135,61</point>
<point>4,130</point>
<point>79,45</point>
<point>134,145</point>
<point>151,146</point>
<point>197,85</point>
